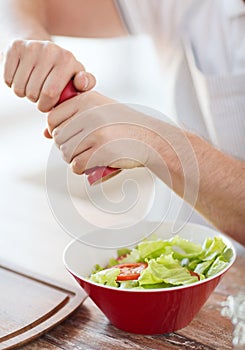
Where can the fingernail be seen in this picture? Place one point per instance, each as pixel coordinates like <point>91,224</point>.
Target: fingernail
<point>86,82</point>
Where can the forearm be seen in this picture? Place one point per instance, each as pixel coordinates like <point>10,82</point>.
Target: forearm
<point>38,19</point>
<point>216,179</point>
<point>222,189</point>
<point>23,19</point>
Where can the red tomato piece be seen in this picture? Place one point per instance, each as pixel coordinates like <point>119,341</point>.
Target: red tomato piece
<point>194,274</point>
<point>121,257</point>
<point>130,271</point>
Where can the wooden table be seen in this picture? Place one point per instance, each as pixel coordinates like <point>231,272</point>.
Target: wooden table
<point>87,328</point>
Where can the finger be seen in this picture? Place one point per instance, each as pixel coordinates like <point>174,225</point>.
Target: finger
<point>23,73</point>
<point>75,146</point>
<point>84,81</point>
<point>36,81</point>
<point>54,84</point>
<point>72,124</point>
<point>47,134</point>
<point>75,115</point>
<point>12,58</point>
<point>79,163</point>
<point>48,56</point>
<point>60,114</point>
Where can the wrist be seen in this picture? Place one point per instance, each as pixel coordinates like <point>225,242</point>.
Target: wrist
<point>172,157</point>
<point>35,31</point>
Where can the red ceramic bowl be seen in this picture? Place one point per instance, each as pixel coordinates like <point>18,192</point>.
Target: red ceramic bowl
<point>155,311</point>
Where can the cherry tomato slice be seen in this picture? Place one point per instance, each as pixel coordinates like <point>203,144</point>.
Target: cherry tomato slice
<point>130,271</point>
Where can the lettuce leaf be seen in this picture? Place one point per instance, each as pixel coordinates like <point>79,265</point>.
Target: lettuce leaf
<point>169,263</point>
<point>166,270</point>
<point>106,277</point>
<point>212,248</point>
<point>218,265</point>
<point>153,249</point>
<point>203,267</point>
<point>185,249</point>
<point>132,257</point>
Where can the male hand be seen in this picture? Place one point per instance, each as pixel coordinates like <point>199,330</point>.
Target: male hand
<point>39,70</point>
<point>92,130</point>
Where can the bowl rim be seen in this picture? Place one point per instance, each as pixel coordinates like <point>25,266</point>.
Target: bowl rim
<point>157,290</point>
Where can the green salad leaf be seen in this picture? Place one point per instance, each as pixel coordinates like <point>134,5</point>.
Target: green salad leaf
<point>185,249</point>
<point>106,277</point>
<point>167,263</point>
<point>166,269</point>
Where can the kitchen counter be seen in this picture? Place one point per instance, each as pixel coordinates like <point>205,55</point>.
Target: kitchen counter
<point>88,329</point>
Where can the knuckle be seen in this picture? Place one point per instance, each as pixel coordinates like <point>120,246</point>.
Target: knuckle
<point>67,57</point>
<point>64,149</point>
<point>14,48</point>
<point>56,136</point>
<point>31,96</point>
<point>44,107</point>
<point>19,91</point>
<point>17,43</point>
<point>32,46</point>
<point>53,50</point>
<point>50,47</point>
<point>51,123</point>
<point>50,92</point>
<point>55,133</point>
<point>76,166</point>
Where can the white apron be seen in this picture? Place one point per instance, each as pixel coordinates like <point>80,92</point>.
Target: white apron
<point>219,114</point>
<point>221,98</point>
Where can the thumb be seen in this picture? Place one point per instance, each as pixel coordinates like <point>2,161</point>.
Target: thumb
<point>84,81</point>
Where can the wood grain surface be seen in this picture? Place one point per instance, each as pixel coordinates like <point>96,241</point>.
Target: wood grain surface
<point>88,329</point>
<point>30,305</point>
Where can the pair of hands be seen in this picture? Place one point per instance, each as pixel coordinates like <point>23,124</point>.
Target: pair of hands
<point>89,129</point>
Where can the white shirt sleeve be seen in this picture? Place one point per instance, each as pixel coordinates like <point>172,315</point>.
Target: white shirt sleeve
<point>158,18</point>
